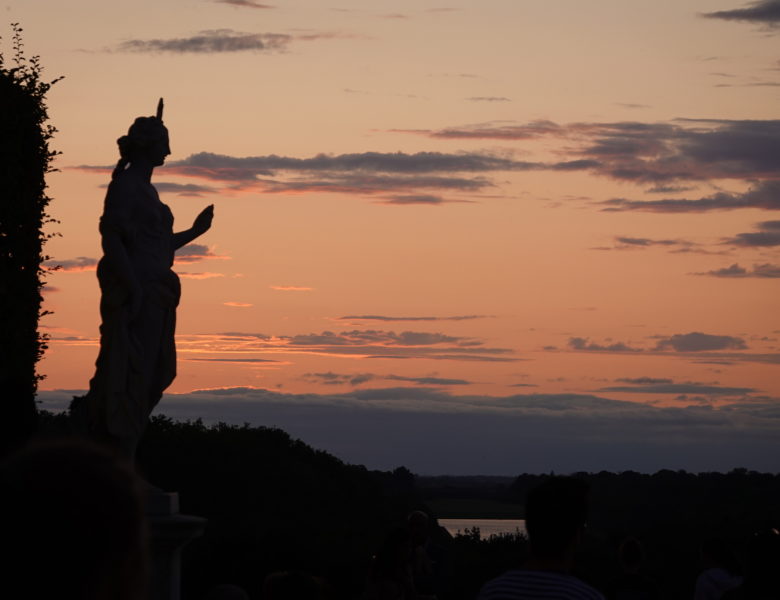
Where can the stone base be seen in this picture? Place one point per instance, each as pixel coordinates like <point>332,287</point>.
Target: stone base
<point>169,532</point>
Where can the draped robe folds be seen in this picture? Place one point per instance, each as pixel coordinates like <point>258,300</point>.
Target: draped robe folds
<point>137,358</point>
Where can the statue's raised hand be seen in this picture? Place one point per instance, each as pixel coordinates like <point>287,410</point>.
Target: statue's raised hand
<point>202,222</point>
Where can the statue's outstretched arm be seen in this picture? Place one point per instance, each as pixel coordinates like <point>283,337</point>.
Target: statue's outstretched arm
<point>200,226</point>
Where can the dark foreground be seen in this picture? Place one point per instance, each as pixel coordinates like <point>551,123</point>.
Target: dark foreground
<point>274,504</point>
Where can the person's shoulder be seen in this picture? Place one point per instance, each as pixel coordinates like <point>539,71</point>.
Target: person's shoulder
<point>520,583</point>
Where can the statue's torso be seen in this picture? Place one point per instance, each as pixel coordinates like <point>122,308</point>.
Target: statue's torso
<point>151,248</point>
<point>145,225</point>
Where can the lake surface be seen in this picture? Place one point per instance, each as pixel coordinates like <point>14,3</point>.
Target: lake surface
<point>487,527</point>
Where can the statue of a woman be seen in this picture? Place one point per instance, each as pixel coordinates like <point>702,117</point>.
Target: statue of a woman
<point>139,293</point>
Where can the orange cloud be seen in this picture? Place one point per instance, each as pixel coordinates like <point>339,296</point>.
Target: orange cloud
<point>238,304</point>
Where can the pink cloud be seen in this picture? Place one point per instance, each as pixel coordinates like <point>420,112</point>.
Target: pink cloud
<point>290,288</point>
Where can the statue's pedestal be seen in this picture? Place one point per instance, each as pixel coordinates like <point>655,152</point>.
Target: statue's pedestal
<point>169,532</point>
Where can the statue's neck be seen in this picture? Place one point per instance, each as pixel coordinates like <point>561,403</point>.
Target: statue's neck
<point>142,168</point>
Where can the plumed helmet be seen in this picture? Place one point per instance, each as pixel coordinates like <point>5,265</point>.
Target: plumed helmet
<point>144,132</point>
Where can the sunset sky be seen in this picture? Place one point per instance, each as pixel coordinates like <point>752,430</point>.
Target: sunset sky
<point>465,237</point>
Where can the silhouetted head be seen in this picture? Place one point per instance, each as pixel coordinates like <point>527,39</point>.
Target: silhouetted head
<point>71,525</point>
<point>555,514</point>
<point>418,527</point>
<point>146,139</point>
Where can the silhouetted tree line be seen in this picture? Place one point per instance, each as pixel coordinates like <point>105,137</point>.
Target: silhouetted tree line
<point>466,487</point>
<point>272,502</point>
<point>275,504</point>
<point>25,158</point>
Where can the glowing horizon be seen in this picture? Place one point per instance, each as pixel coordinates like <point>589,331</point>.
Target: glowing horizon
<point>521,198</point>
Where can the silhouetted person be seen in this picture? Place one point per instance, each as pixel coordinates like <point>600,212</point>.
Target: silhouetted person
<point>71,525</point>
<point>721,571</point>
<point>390,577</point>
<point>423,565</point>
<point>762,572</point>
<point>631,584</point>
<point>555,516</point>
<point>139,293</point>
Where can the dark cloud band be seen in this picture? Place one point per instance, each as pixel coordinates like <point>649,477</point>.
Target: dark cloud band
<point>764,195</point>
<point>681,342</point>
<point>244,3</point>
<point>503,435</point>
<point>210,42</point>
<point>760,271</point>
<point>765,12</point>
<point>80,263</point>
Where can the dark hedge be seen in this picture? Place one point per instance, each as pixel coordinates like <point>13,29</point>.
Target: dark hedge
<point>25,159</point>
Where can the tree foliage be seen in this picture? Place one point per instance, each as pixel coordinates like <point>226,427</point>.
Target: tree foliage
<point>25,159</point>
<point>275,504</point>
<point>272,503</point>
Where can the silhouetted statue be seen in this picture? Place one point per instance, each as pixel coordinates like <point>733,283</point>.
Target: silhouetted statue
<point>555,516</point>
<point>139,292</point>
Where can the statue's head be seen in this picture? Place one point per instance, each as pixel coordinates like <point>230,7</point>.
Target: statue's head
<point>147,137</point>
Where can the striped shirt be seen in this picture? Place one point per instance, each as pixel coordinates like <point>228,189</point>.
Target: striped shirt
<point>520,584</point>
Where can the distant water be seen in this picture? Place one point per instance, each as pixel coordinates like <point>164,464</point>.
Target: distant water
<point>487,527</point>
